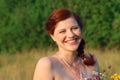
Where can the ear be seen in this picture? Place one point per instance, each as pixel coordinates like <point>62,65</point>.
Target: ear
<point>52,36</point>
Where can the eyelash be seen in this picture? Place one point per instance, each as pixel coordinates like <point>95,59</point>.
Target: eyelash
<point>75,28</point>
<point>62,32</point>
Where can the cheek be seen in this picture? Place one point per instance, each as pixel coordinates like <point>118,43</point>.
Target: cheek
<point>60,38</point>
<point>78,33</point>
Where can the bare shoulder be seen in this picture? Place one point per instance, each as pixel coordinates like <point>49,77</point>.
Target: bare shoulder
<point>44,61</point>
<point>44,64</point>
<point>43,69</point>
<point>96,65</point>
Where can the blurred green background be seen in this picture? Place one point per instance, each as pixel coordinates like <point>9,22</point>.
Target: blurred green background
<point>22,23</point>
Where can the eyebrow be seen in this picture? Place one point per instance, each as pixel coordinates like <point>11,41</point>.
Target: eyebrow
<point>72,26</point>
<point>60,29</point>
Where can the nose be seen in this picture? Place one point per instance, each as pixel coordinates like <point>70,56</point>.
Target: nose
<point>70,33</point>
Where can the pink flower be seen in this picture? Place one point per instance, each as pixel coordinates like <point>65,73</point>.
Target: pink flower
<point>96,77</point>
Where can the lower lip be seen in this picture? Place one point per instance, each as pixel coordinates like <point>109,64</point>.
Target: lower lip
<point>74,42</point>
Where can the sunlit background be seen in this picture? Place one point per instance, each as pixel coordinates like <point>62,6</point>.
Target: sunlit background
<point>23,40</point>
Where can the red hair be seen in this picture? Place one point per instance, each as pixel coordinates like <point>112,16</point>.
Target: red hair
<point>59,15</point>
<point>87,60</point>
<point>62,14</point>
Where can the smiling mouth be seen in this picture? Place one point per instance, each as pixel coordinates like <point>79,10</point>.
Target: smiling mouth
<point>72,42</point>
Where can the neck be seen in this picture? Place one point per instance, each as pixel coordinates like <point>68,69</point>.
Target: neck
<point>69,57</point>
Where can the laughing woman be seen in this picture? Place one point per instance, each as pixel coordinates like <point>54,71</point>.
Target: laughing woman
<point>69,62</point>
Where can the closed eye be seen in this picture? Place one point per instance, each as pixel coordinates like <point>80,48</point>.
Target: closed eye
<point>63,31</point>
<point>74,28</point>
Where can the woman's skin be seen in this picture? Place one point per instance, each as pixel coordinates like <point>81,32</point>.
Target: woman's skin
<point>65,64</point>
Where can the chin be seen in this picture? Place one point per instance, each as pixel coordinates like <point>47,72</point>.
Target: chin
<point>72,48</point>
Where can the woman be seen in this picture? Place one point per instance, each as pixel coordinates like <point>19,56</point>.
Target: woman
<point>69,62</point>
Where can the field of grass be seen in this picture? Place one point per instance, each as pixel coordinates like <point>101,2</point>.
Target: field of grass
<point>21,66</point>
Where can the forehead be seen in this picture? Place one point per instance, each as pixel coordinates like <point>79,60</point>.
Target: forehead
<point>66,23</point>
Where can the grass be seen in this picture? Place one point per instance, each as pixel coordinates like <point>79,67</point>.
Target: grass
<point>20,66</point>
<point>108,58</point>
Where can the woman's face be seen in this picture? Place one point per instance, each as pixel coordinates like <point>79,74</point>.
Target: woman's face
<point>67,34</point>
